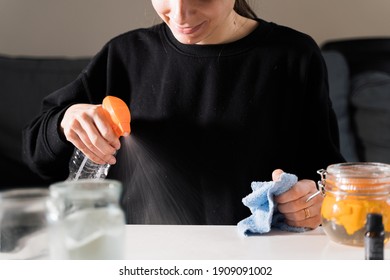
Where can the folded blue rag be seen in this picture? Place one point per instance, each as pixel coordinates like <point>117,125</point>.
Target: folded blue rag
<point>261,204</point>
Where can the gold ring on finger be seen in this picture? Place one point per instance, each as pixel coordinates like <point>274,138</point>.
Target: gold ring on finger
<point>307,213</point>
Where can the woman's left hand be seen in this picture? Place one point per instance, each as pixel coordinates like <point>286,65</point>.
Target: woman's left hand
<point>294,206</point>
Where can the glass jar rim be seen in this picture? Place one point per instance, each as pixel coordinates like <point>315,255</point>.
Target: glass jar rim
<point>24,193</point>
<point>374,170</point>
<point>87,189</point>
<point>20,197</point>
<point>367,177</point>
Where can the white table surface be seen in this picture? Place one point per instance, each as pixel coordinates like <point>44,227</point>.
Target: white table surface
<point>171,242</point>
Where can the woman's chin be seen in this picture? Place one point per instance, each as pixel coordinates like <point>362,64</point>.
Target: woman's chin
<point>185,39</point>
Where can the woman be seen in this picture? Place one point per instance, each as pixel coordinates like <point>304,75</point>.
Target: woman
<point>218,97</point>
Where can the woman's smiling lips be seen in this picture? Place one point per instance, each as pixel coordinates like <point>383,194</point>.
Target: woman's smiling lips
<point>188,30</point>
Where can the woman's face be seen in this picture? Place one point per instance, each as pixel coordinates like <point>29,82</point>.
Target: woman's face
<point>197,21</point>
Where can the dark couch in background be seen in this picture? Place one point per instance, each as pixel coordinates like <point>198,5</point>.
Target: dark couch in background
<point>359,82</point>
<point>359,79</point>
<point>23,83</point>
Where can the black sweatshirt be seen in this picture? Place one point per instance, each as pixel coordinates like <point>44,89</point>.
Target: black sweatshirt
<point>207,120</point>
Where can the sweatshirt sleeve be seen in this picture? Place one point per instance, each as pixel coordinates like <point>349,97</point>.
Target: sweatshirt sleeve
<point>45,150</point>
<point>320,144</point>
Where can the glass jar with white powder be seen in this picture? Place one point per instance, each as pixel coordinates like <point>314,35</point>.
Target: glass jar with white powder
<point>91,223</point>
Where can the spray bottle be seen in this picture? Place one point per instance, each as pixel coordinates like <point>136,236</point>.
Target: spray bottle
<point>81,167</point>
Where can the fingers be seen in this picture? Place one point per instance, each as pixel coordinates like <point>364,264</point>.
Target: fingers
<point>93,144</point>
<point>87,127</point>
<point>276,174</point>
<point>91,155</point>
<point>309,216</point>
<point>295,206</point>
<point>300,191</point>
<point>101,134</point>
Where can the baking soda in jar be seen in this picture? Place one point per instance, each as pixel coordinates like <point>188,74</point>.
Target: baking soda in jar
<point>91,224</point>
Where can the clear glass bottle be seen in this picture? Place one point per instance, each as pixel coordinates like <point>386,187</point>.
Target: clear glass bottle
<point>91,222</point>
<point>353,190</point>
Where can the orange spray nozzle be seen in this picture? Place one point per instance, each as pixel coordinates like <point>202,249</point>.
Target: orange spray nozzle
<point>119,114</point>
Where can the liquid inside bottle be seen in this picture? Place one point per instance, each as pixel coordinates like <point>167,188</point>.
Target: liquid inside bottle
<point>81,167</point>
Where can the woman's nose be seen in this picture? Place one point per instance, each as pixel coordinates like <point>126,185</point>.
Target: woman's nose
<point>182,9</point>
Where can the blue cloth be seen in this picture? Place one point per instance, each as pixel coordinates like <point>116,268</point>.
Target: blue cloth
<point>261,204</point>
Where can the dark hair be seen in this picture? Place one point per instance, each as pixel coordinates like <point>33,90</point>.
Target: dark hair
<point>243,9</point>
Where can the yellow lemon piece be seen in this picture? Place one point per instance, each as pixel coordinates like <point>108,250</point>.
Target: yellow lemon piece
<point>351,213</point>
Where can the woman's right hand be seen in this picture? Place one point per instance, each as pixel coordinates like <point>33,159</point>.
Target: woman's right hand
<point>87,127</point>
<point>295,206</point>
